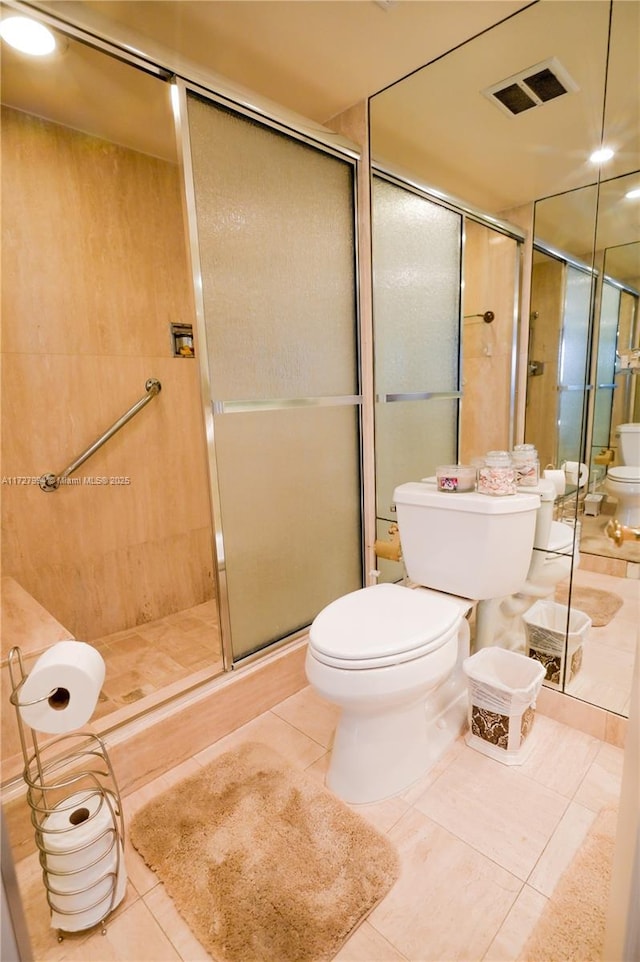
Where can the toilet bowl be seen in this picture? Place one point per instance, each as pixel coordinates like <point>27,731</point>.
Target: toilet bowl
<point>390,656</point>
<point>623,481</point>
<point>377,653</point>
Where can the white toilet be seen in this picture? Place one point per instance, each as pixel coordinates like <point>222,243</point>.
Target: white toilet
<point>623,481</point>
<point>390,656</point>
<point>556,550</point>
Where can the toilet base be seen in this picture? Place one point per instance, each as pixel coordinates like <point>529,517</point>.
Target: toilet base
<point>367,764</point>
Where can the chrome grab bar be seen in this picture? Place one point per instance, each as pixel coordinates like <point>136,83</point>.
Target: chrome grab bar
<point>51,482</point>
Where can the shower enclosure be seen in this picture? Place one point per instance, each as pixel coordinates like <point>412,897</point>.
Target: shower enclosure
<point>219,520</point>
<point>562,293</point>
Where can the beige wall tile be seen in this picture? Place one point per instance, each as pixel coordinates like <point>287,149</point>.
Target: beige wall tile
<point>94,272</point>
<point>572,712</point>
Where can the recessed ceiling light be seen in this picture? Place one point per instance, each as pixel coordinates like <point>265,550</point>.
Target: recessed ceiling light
<point>633,194</point>
<point>601,156</point>
<point>28,36</point>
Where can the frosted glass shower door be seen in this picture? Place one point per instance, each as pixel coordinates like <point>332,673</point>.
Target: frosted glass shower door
<point>573,360</point>
<point>416,304</point>
<point>606,366</point>
<point>275,230</point>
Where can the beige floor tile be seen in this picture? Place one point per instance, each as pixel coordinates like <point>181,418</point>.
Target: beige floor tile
<point>517,927</point>
<point>173,925</point>
<point>413,793</point>
<point>300,750</point>
<point>311,714</point>
<point>604,679</point>
<point>125,646</point>
<point>134,935</point>
<point>601,784</point>
<point>560,756</point>
<point>501,813</point>
<point>561,848</point>
<point>367,945</point>
<point>44,938</point>
<point>385,814</point>
<point>449,900</point>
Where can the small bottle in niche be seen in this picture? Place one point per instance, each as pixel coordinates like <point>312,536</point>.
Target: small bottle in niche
<point>527,465</point>
<point>497,476</point>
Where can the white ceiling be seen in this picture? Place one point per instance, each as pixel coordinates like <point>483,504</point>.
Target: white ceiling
<point>318,57</point>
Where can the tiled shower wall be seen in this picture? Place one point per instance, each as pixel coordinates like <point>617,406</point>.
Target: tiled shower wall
<point>94,272</point>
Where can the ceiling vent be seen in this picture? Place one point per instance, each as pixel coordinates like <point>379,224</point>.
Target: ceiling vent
<point>531,87</point>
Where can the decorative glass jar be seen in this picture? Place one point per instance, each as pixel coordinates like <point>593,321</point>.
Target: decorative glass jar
<point>497,476</point>
<point>527,465</point>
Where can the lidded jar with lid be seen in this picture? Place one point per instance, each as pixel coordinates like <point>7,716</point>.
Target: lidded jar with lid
<point>527,465</point>
<point>497,476</point>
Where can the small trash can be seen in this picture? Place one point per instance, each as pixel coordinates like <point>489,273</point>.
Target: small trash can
<point>546,627</point>
<point>503,686</point>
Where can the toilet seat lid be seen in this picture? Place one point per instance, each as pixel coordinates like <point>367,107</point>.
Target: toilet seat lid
<point>624,472</point>
<point>384,625</point>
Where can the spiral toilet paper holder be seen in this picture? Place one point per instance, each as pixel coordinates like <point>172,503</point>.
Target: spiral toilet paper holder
<point>76,812</point>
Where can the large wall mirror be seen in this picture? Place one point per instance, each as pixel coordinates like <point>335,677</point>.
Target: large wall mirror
<point>503,128</point>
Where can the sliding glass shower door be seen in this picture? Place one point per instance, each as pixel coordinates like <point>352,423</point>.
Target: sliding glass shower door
<point>416,302</point>
<point>273,221</point>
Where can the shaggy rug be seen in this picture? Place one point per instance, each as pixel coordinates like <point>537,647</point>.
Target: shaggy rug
<point>572,926</point>
<point>600,605</point>
<point>262,862</point>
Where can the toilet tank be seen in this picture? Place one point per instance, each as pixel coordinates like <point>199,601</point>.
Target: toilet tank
<point>629,435</point>
<point>468,544</point>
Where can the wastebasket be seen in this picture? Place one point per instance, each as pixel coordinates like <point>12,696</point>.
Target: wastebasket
<point>546,627</point>
<point>503,686</point>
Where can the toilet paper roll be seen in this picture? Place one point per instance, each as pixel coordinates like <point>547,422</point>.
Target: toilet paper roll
<point>558,479</point>
<point>62,689</point>
<point>576,472</point>
<point>85,871</point>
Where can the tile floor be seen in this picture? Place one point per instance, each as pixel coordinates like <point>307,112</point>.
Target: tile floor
<point>156,656</point>
<point>605,676</point>
<point>482,846</point>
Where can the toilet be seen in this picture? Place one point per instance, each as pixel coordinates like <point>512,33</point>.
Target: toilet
<point>556,550</point>
<point>623,481</point>
<point>390,655</point>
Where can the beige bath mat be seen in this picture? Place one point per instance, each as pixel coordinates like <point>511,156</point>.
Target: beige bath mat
<point>262,862</point>
<point>600,605</point>
<point>572,926</point>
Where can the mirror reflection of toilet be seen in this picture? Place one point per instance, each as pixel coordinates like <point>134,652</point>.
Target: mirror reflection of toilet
<point>623,481</point>
<point>391,656</point>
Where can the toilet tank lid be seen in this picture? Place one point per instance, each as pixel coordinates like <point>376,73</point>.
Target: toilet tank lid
<point>629,428</point>
<point>420,493</point>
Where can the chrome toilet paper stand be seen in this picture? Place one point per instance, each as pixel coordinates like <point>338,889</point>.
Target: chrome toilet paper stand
<point>71,772</point>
